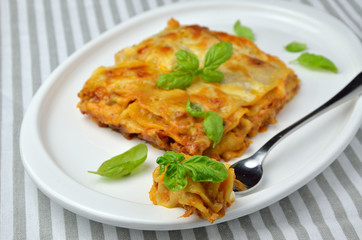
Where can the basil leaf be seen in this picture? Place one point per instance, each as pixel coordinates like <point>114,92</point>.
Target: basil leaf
<point>168,158</point>
<point>195,110</point>
<point>175,177</point>
<point>202,168</point>
<point>174,79</point>
<point>314,61</point>
<point>199,168</point>
<point>212,75</point>
<point>296,47</point>
<point>123,164</point>
<point>243,31</point>
<point>213,127</point>
<point>186,61</point>
<point>217,55</point>
<point>174,157</point>
<point>187,67</point>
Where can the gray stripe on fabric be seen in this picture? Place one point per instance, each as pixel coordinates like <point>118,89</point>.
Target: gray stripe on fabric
<point>200,233</point>
<point>145,5</point>
<point>176,234</point>
<point>34,46</point>
<point>49,24</point>
<point>70,225</point>
<point>337,207</point>
<point>225,231</point>
<point>315,212</point>
<point>247,225</point>
<point>130,8</point>
<point>123,233</point>
<point>354,160</point>
<point>292,218</point>
<point>305,2</point>
<point>69,38</point>
<point>114,10</point>
<point>160,2</point>
<point>83,21</point>
<point>359,135</point>
<point>96,230</point>
<point>19,220</point>
<point>270,223</point>
<point>99,16</point>
<point>149,235</point>
<point>348,186</point>
<point>45,219</point>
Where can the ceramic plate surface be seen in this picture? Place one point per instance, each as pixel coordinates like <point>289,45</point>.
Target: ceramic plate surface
<point>59,145</point>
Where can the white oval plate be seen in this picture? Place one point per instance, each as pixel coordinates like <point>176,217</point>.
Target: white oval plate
<point>59,145</point>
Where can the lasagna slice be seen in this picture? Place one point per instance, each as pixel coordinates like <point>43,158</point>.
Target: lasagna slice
<point>125,97</point>
<point>207,200</point>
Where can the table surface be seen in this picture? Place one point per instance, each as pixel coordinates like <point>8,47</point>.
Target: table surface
<point>315,211</point>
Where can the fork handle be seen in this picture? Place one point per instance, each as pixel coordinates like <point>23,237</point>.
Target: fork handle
<point>353,89</point>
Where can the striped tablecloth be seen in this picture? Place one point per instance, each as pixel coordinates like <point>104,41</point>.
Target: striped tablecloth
<point>38,35</point>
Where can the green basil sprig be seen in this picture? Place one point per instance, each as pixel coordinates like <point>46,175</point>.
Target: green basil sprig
<point>296,47</point>
<point>187,67</point>
<point>123,164</point>
<point>199,168</point>
<point>243,31</point>
<point>314,61</point>
<point>213,124</point>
